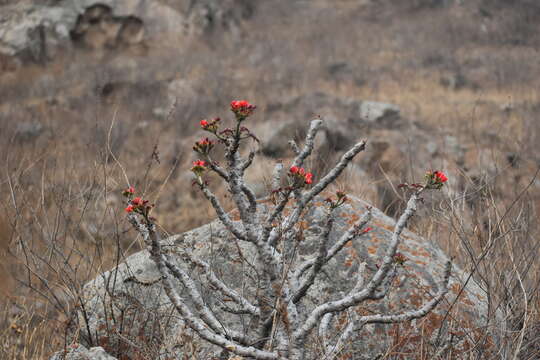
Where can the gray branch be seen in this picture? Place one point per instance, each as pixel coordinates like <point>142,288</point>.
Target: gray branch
<point>222,215</point>
<point>318,188</point>
<point>245,305</point>
<point>369,290</point>
<point>193,321</point>
<point>320,260</point>
<point>309,144</point>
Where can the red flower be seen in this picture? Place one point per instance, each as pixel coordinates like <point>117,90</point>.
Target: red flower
<point>239,104</point>
<point>440,176</point>
<point>203,146</point>
<point>211,126</point>
<point>129,209</point>
<point>435,179</point>
<point>137,201</point>
<point>300,176</point>
<point>199,167</point>
<point>242,109</point>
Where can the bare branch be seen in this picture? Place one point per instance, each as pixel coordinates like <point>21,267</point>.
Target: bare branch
<point>218,169</point>
<point>314,128</point>
<point>294,147</point>
<point>369,290</point>
<point>353,232</point>
<point>319,187</point>
<point>320,260</point>
<point>222,215</point>
<point>244,304</point>
<point>203,310</point>
<point>412,314</point>
<point>247,163</point>
<point>191,320</point>
<point>276,175</point>
<point>278,209</point>
<point>245,189</point>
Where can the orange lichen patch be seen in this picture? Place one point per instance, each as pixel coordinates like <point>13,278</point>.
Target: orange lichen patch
<point>420,262</point>
<point>465,300</point>
<point>372,250</point>
<point>352,255</point>
<point>362,311</point>
<point>383,225</point>
<point>375,240</point>
<point>455,288</point>
<point>405,248</point>
<point>415,299</point>
<point>348,244</point>
<point>303,225</point>
<point>432,322</point>
<point>424,253</point>
<point>421,253</point>
<point>353,219</point>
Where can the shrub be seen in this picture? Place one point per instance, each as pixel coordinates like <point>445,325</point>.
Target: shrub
<point>280,322</point>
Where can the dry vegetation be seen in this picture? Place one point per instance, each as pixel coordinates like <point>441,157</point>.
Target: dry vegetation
<point>467,71</point>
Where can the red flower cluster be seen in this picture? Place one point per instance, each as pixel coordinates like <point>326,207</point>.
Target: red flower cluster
<point>211,125</point>
<point>199,167</point>
<point>440,176</point>
<point>300,174</point>
<point>203,146</point>
<point>136,204</point>
<point>242,109</point>
<point>435,179</point>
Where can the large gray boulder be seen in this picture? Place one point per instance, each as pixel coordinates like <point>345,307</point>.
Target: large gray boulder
<point>378,113</point>
<point>126,309</point>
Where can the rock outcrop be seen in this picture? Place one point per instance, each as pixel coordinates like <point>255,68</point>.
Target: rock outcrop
<point>37,31</point>
<point>126,309</point>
